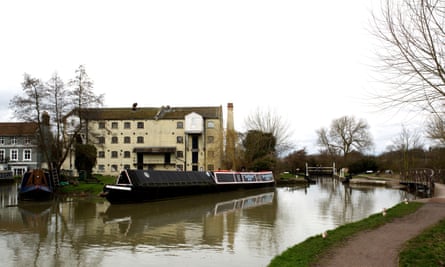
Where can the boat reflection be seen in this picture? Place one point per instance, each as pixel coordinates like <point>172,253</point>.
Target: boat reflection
<point>159,217</point>
<point>32,217</point>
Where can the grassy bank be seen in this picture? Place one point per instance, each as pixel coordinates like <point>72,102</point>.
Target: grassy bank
<point>427,249</point>
<point>307,252</point>
<point>89,187</point>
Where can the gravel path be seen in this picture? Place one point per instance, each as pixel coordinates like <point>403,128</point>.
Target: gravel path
<point>380,247</point>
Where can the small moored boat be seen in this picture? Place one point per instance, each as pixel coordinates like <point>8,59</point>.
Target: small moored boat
<point>36,185</point>
<point>150,185</point>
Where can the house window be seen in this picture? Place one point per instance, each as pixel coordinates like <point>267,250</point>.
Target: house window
<point>179,125</point>
<point>101,125</point>
<point>179,167</point>
<point>101,140</point>
<point>140,125</point>
<point>127,125</point>
<point>101,167</point>
<point>27,140</point>
<point>114,154</point>
<point>14,156</point>
<point>127,154</point>
<point>211,154</point>
<point>2,155</point>
<point>2,140</point>
<point>127,166</point>
<point>210,139</point>
<point>179,154</point>
<point>114,125</point>
<point>101,154</point>
<point>127,140</point>
<point>179,139</point>
<point>210,124</point>
<point>140,140</point>
<point>210,167</point>
<point>114,140</point>
<point>13,140</point>
<point>27,155</point>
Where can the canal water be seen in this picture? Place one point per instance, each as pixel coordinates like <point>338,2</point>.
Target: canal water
<point>243,228</point>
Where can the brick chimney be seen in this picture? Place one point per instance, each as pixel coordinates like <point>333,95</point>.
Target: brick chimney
<point>230,139</point>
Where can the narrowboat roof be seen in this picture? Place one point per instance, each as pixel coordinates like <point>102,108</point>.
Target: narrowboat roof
<point>166,178</point>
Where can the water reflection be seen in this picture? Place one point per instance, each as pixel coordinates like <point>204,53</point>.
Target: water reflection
<point>168,222</point>
<point>235,229</point>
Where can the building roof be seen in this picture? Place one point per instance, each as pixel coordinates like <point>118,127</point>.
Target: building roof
<point>18,128</point>
<point>150,113</point>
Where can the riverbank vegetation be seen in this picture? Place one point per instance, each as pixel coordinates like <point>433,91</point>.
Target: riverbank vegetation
<point>86,186</point>
<point>308,252</point>
<point>426,249</point>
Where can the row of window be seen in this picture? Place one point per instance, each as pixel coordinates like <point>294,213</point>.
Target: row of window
<point>14,155</point>
<point>15,140</point>
<point>140,139</point>
<point>127,154</point>
<point>140,125</point>
<point>114,167</point>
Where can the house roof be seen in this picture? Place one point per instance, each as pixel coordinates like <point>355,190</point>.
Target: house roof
<point>18,128</point>
<point>151,113</point>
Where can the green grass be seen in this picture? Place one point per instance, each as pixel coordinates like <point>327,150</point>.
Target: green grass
<point>307,252</point>
<point>83,187</point>
<point>427,249</point>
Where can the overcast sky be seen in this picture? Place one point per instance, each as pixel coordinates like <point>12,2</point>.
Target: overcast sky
<point>310,62</point>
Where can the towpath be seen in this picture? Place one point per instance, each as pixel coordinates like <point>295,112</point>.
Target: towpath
<point>380,247</point>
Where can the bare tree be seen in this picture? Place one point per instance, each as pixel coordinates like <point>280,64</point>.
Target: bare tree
<point>31,107</point>
<point>407,144</point>
<point>435,129</point>
<point>56,101</point>
<point>345,135</point>
<point>268,121</point>
<point>413,55</point>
